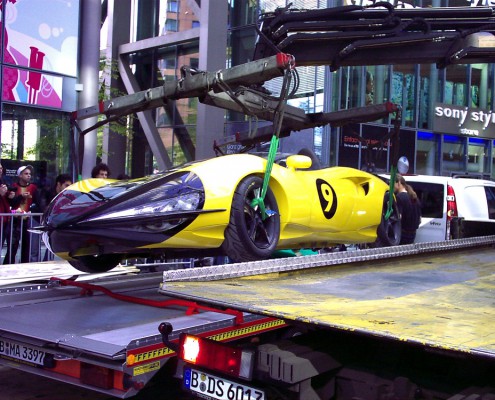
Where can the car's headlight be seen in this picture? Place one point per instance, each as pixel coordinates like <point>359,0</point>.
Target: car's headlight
<point>183,202</point>
<point>160,206</point>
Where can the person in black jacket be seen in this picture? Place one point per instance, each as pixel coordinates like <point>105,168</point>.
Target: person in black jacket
<point>62,181</point>
<point>409,209</point>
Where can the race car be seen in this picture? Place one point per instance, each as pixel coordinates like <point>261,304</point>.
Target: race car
<point>219,206</point>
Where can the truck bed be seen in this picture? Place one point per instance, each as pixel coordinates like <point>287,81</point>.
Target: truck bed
<point>439,299</point>
<point>107,322</point>
<point>95,324</point>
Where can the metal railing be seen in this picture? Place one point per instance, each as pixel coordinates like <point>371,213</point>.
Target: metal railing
<point>18,245</point>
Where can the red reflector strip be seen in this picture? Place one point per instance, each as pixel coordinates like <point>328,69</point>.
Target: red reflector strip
<point>68,367</point>
<point>216,356</point>
<point>90,374</point>
<point>95,375</point>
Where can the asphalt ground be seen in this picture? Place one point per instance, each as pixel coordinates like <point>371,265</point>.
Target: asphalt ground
<point>20,385</point>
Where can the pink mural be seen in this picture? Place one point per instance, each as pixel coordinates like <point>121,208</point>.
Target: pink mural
<point>10,76</point>
<point>34,78</point>
<point>31,85</point>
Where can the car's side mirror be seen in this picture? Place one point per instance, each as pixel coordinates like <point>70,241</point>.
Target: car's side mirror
<point>298,161</point>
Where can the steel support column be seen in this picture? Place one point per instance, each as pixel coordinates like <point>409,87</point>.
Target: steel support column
<point>89,59</point>
<point>212,50</point>
<point>118,18</point>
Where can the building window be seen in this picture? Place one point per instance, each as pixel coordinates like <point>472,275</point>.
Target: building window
<point>404,92</point>
<point>194,62</point>
<point>431,90</point>
<point>453,155</point>
<point>195,24</point>
<point>456,88</point>
<point>480,86</point>
<point>171,25</point>
<point>427,154</point>
<point>172,6</point>
<point>478,160</point>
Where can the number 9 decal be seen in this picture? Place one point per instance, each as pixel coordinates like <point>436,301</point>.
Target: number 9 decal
<point>328,198</point>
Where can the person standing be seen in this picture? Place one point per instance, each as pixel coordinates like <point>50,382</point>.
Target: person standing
<point>409,209</point>
<point>4,209</point>
<point>4,203</point>
<point>100,170</point>
<point>25,195</point>
<point>62,181</point>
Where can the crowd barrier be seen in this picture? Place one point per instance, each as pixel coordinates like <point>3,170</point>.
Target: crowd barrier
<point>18,244</point>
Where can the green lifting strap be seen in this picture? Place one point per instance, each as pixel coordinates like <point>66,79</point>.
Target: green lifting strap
<point>393,172</point>
<point>395,159</point>
<point>260,201</point>
<point>279,116</point>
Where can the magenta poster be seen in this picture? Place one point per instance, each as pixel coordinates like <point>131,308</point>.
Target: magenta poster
<point>40,42</point>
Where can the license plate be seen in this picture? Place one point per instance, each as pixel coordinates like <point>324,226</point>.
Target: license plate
<point>22,352</point>
<point>212,387</point>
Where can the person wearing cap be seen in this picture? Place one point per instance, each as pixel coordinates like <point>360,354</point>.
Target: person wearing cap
<point>25,196</point>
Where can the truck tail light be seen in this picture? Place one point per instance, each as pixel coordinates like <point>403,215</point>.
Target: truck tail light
<point>451,203</point>
<point>207,353</point>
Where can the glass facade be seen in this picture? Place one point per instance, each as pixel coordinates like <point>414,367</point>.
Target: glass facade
<point>176,121</point>
<point>39,50</point>
<point>416,88</point>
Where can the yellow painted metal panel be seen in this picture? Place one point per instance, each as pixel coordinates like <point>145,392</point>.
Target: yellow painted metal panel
<point>442,300</point>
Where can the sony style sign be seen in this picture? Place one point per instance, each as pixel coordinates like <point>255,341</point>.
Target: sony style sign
<point>464,121</point>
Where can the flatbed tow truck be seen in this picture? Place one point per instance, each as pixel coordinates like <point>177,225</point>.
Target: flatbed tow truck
<point>403,322</point>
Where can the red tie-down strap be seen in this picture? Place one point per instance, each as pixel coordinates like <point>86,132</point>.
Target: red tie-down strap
<point>191,306</point>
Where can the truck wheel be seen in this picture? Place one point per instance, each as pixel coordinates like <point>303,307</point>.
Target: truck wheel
<point>249,237</point>
<point>389,230</point>
<point>96,264</point>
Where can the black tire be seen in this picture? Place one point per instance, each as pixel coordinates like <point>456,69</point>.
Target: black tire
<point>96,264</point>
<point>248,237</point>
<point>389,230</point>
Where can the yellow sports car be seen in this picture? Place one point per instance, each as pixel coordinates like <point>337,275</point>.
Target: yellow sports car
<point>218,207</point>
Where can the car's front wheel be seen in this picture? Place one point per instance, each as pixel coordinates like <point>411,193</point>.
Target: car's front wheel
<point>96,264</point>
<point>251,235</point>
<point>389,230</point>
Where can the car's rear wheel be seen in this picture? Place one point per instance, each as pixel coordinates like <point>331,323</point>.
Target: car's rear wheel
<point>389,230</point>
<point>96,264</point>
<point>249,236</point>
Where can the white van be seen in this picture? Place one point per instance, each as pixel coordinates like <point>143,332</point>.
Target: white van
<point>453,207</point>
